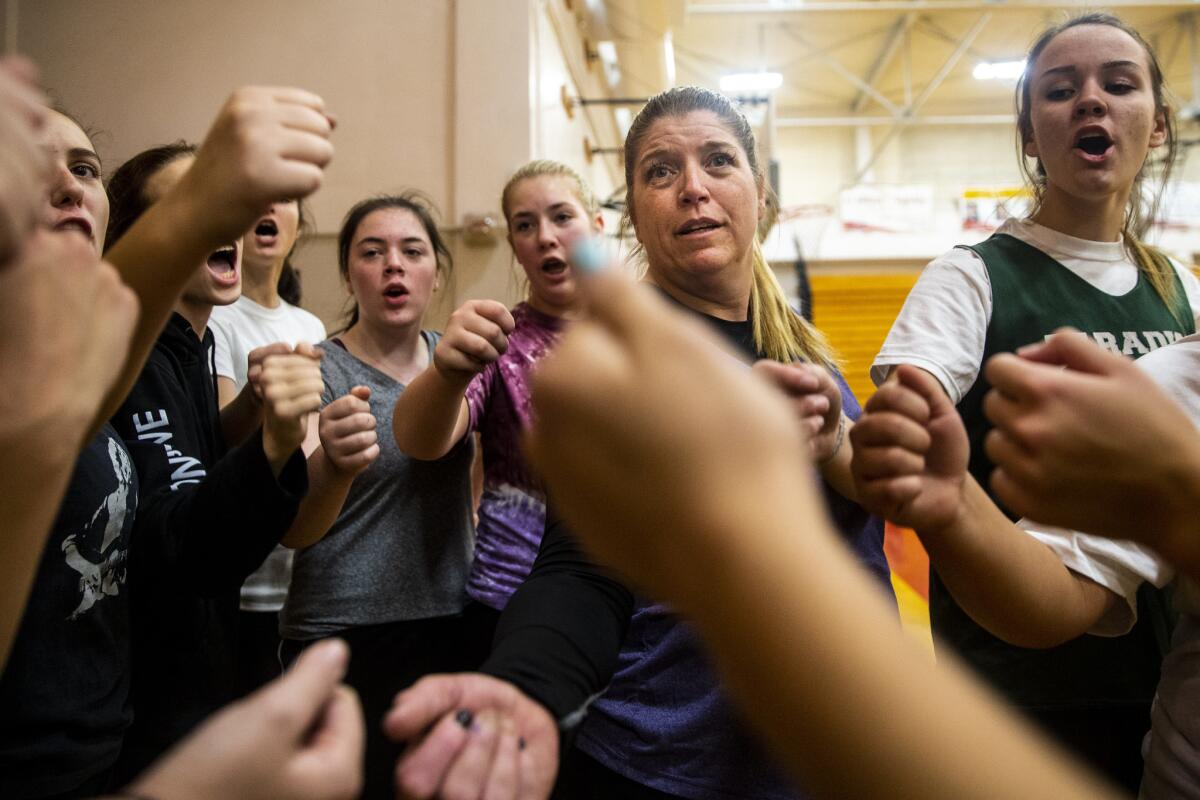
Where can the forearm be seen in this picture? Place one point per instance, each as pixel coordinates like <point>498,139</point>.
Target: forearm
<point>214,533</point>
<point>826,672</point>
<point>327,490</point>
<point>36,464</point>
<point>279,448</point>
<point>240,417</point>
<point>560,635</point>
<point>1007,581</point>
<point>431,415</point>
<point>1180,544</point>
<point>155,258</point>
<point>836,471</point>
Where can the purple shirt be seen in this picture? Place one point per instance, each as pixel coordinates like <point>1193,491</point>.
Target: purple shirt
<point>665,722</point>
<point>512,512</point>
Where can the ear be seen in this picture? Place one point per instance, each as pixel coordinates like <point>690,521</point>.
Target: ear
<point>762,197</point>
<point>1158,136</point>
<point>598,223</point>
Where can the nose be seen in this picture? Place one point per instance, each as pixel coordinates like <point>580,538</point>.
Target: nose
<point>693,190</point>
<point>1090,101</point>
<point>545,235</point>
<point>65,188</point>
<point>394,262</point>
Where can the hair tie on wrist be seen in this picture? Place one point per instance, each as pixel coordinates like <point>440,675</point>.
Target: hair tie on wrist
<point>837,443</point>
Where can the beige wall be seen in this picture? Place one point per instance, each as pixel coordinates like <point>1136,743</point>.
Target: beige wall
<point>447,96</point>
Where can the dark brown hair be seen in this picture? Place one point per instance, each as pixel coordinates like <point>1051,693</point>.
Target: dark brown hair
<point>420,206</point>
<point>127,187</point>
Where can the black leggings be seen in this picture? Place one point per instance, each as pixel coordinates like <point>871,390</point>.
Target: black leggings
<point>385,659</point>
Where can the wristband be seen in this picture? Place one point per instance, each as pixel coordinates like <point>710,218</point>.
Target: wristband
<point>837,442</point>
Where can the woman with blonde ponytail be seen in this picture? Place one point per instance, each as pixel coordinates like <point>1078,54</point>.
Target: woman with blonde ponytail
<point>575,649</point>
<point>1091,109</point>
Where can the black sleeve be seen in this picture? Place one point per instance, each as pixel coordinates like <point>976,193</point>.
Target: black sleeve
<point>214,533</point>
<point>207,526</point>
<point>560,634</point>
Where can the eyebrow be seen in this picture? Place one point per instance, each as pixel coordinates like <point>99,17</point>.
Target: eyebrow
<point>382,241</point>
<point>708,144</point>
<point>82,152</point>
<point>1071,68</point>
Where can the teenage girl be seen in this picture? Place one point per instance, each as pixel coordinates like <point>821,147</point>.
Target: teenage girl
<point>267,313</point>
<point>209,510</point>
<point>473,386</point>
<point>64,694</point>
<point>385,540</point>
<point>1091,112</point>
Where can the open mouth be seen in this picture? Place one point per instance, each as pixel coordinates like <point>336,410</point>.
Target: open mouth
<point>75,224</point>
<point>697,226</point>
<point>266,230</point>
<point>395,295</point>
<point>554,266</point>
<point>222,263</point>
<point>1094,145</point>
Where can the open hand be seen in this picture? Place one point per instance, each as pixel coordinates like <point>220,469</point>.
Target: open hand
<point>472,735</point>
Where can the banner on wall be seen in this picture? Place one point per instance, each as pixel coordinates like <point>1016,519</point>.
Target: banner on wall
<point>987,209</point>
<point>889,208</point>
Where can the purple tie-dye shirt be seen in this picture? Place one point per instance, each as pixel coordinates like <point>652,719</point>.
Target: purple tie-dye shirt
<point>512,512</point>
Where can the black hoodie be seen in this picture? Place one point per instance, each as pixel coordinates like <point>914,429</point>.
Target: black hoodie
<point>207,518</point>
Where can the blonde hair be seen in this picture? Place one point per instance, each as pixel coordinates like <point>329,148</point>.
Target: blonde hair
<point>779,332</point>
<point>543,167</point>
<point>547,167</point>
<point>1139,214</point>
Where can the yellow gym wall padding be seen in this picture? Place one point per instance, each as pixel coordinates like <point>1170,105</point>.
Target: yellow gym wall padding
<point>856,312</point>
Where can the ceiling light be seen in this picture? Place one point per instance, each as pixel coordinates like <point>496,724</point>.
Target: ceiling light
<point>751,82</point>
<point>999,70</point>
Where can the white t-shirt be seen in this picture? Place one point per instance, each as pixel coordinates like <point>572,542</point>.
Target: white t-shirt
<point>238,329</point>
<point>943,324</point>
<point>1171,755</point>
<point>245,325</point>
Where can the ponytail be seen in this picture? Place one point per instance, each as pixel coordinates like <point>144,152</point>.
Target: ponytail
<point>289,284</point>
<point>1157,269</point>
<point>779,332</point>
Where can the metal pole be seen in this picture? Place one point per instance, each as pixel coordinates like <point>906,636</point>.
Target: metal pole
<point>929,89</point>
<point>896,38</point>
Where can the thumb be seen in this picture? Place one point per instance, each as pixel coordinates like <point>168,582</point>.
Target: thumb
<point>422,703</point>
<point>613,299</point>
<point>361,392</point>
<point>927,387</point>
<point>310,682</point>
<point>273,349</point>
<point>309,350</point>
<point>1069,348</point>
